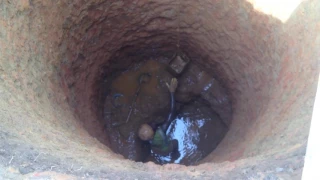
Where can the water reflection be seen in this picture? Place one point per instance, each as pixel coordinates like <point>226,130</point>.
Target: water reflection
<point>186,131</point>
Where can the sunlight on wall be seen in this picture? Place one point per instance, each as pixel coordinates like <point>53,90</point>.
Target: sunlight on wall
<point>280,9</point>
<point>312,159</point>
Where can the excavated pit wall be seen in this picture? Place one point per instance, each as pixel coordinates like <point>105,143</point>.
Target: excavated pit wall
<point>56,54</point>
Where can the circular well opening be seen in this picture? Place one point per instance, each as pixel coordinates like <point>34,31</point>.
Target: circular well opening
<point>111,40</point>
<point>65,57</point>
<point>103,74</point>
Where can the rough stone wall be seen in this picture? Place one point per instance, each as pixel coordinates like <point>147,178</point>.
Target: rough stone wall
<point>52,54</point>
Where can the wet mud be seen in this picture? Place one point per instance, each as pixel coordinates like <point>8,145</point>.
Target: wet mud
<point>203,112</point>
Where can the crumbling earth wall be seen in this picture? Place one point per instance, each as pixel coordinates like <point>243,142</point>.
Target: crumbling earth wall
<point>55,54</point>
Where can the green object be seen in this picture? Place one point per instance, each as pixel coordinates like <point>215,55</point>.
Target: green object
<point>160,141</point>
<point>160,144</point>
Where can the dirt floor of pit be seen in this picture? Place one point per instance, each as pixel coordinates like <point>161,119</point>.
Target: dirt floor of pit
<point>203,111</point>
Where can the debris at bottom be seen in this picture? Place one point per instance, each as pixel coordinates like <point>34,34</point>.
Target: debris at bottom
<point>179,63</point>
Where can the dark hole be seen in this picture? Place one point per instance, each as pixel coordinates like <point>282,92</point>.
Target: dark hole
<point>135,92</point>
